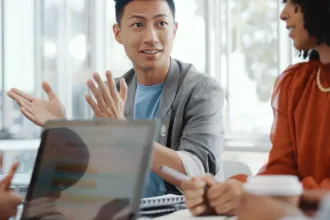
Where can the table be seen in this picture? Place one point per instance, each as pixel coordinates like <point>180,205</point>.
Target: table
<point>185,215</point>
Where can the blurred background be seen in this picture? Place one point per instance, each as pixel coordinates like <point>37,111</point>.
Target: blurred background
<point>241,43</point>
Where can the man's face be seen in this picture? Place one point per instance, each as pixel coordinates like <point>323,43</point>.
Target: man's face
<point>147,31</point>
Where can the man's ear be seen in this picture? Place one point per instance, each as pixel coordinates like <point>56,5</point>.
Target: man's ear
<point>176,25</point>
<point>116,32</point>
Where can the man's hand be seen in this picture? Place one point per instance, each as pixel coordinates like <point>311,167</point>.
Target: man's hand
<point>8,203</point>
<point>194,191</point>
<point>6,181</point>
<point>8,199</point>
<point>225,197</point>
<point>109,103</point>
<point>37,110</point>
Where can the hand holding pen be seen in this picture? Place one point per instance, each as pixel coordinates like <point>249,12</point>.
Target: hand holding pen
<point>194,190</point>
<point>205,195</point>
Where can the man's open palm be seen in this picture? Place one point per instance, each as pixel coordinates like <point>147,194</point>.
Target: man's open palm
<point>37,110</point>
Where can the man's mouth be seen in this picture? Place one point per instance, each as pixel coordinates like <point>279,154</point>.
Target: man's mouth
<point>150,52</point>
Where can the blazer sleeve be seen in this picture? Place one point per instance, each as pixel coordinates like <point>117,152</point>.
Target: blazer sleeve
<point>203,131</point>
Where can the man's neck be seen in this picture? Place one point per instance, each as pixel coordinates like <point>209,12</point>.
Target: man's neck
<point>152,77</point>
<point>324,52</point>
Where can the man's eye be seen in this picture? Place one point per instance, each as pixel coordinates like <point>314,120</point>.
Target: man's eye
<point>138,25</point>
<point>162,24</point>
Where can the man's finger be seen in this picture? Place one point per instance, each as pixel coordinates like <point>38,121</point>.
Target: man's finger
<point>123,90</point>
<point>23,103</point>
<point>21,94</point>
<point>6,182</point>
<point>14,168</point>
<point>209,180</point>
<point>49,91</point>
<point>97,95</point>
<point>199,210</point>
<point>104,90</point>
<point>192,184</point>
<point>227,208</point>
<point>216,190</point>
<point>93,105</point>
<point>195,193</point>
<point>30,116</point>
<point>221,200</point>
<point>190,203</point>
<point>112,85</point>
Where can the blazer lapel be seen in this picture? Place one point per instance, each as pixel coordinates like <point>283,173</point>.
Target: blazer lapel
<point>169,89</point>
<point>168,94</point>
<point>131,86</point>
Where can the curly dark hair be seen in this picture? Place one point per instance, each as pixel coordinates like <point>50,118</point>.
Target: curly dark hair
<point>317,22</point>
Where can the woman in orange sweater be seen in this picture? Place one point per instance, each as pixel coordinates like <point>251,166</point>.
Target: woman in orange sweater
<point>301,106</point>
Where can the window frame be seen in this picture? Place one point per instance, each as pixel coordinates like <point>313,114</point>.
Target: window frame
<point>3,94</point>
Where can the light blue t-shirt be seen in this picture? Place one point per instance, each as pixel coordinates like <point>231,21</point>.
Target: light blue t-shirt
<point>147,100</point>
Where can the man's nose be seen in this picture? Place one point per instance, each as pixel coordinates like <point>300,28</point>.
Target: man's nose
<point>151,36</point>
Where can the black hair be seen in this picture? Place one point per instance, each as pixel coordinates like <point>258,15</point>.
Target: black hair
<point>317,22</point>
<point>121,4</point>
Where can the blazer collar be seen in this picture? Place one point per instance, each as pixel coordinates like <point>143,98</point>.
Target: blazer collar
<point>169,91</point>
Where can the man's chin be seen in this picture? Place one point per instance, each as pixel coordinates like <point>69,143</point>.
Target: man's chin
<point>151,65</point>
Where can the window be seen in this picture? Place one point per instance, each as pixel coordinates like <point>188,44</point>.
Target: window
<point>117,61</point>
<point>250,58</point>
<point>18,64</point>
<point>189,45</point>
<point>1,65</point>
<point>65,55</point>
<point>254,49</point>
<point>51,40</point>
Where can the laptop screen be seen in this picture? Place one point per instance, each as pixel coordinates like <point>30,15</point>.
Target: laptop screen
<point>89,170</point>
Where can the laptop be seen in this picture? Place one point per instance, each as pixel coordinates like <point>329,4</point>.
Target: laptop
<point>90,170</point>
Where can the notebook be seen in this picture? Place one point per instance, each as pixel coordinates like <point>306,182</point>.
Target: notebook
<point>158,201</point>
<point>161,205</point>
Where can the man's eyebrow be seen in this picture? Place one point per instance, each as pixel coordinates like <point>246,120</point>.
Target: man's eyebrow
<point>154,17</point>
<point>160,16</point>
<point>137,16</point>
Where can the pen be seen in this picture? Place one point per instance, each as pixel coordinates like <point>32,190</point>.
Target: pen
<point>180,176</point>
<point>174,173</point>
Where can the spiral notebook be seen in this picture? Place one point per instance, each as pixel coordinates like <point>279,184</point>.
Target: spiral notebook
<point>160,201</point>
<point>161,205</point>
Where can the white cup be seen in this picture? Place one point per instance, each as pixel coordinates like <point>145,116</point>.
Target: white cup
<point>284,187</point>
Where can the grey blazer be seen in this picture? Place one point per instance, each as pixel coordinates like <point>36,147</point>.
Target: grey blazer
<point>190,112</point>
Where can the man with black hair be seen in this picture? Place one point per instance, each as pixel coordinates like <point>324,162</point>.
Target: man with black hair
<point>187,103</point>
